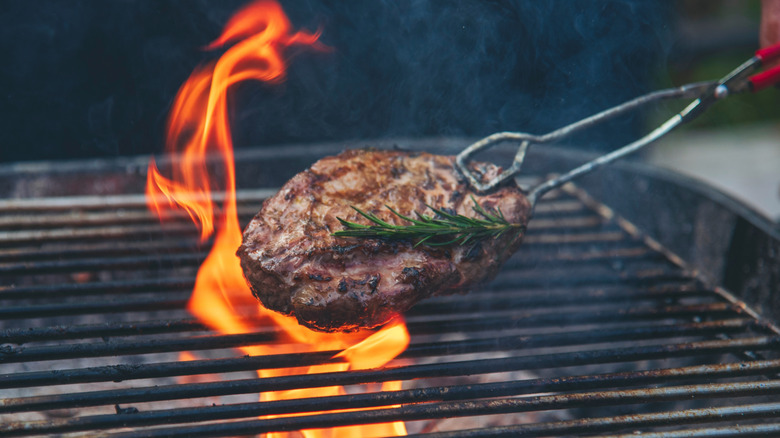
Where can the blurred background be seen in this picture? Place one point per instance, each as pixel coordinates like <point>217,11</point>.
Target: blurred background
<point>94,78</point>
<point>734,146</point>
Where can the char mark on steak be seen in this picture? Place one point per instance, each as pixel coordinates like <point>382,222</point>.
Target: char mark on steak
<point>294,265</point>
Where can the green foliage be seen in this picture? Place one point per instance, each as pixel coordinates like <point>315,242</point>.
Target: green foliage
<point>439,230</point>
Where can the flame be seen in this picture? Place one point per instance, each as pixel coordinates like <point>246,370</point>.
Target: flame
<point>198,131</point>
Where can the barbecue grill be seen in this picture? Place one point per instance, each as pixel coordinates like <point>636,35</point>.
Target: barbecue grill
<point>639,301</point>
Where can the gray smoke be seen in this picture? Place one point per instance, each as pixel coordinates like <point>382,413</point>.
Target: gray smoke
<point>95,78</point>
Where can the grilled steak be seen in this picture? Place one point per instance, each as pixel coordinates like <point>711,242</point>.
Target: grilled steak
<point>295,266</point>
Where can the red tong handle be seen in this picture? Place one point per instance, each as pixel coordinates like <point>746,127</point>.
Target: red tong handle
<point>768,54</point>
<point>765,79</point>
<point>770,77</point>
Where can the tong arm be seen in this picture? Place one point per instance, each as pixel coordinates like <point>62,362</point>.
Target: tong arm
<point>705,93</point>
<point>526,139</point>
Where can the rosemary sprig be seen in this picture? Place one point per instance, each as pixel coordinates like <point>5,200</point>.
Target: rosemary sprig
<point>443,229</point>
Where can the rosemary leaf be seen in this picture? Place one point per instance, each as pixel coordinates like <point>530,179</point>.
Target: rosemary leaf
<point>440,230</point>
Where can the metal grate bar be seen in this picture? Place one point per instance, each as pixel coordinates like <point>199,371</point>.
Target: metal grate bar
<point>88,223</point>
<point>135,217</point>
<point>99,249</point>
<point>736,431</point>
<point>34,260</point>
<point>441,305</point>
<point>102,217</point>
<point>549,402</point>
<point>627,254</point>
<point>551,317</point>
<point>57,235</point>
<point>70,351</point>
<point>119,305</point>
<point>705,373</point>
<point>140,201</point>
<point>177,301</point>
<point>739,413</point>
<point>455,368</point>
<point>501,294</point>
<point>467,408</point>
<point>589,272</point>
<point>167,261</point>
<point>117,202</point>
<point>559,207</point>
<point>592,277</point>
<point>148,231</point>
<point>495,298</point>
<point>74,263</point>
<point>105,330</point>
<point>98,288</point>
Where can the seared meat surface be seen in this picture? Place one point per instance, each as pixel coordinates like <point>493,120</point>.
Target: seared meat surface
<point>295,266</point>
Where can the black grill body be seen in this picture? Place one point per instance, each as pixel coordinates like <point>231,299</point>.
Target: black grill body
<point>639,303</point>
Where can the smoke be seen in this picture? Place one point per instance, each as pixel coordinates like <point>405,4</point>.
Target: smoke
<point>94,78</point>
<point>426,68</point>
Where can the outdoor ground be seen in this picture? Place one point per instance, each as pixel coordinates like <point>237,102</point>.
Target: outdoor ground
<point>743,161</point>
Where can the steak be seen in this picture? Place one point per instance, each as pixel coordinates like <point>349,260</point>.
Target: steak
<point>294,265</point>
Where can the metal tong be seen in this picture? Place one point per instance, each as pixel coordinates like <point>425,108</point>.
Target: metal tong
<point>706,94</point>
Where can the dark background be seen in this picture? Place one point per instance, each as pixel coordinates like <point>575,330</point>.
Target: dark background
<point>95,78</point>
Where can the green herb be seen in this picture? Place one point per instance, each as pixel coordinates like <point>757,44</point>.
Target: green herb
<point>442,229</point>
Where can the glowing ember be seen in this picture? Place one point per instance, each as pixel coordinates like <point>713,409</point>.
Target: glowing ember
<point>198,129</point>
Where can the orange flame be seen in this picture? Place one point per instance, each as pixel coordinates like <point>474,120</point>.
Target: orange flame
<point>198,130</point>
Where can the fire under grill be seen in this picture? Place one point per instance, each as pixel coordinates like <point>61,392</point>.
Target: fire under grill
<point>591,328</point>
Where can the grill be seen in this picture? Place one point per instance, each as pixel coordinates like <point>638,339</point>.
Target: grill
<point>592,327</point>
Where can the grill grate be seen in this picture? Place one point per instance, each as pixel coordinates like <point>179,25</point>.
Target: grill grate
<point>589,328</point>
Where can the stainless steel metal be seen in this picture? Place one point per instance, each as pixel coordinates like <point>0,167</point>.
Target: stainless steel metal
<point>706,94</point>
<point>526,140</point>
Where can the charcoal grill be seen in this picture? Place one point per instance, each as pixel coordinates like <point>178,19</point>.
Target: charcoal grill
<point>639,302</point>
